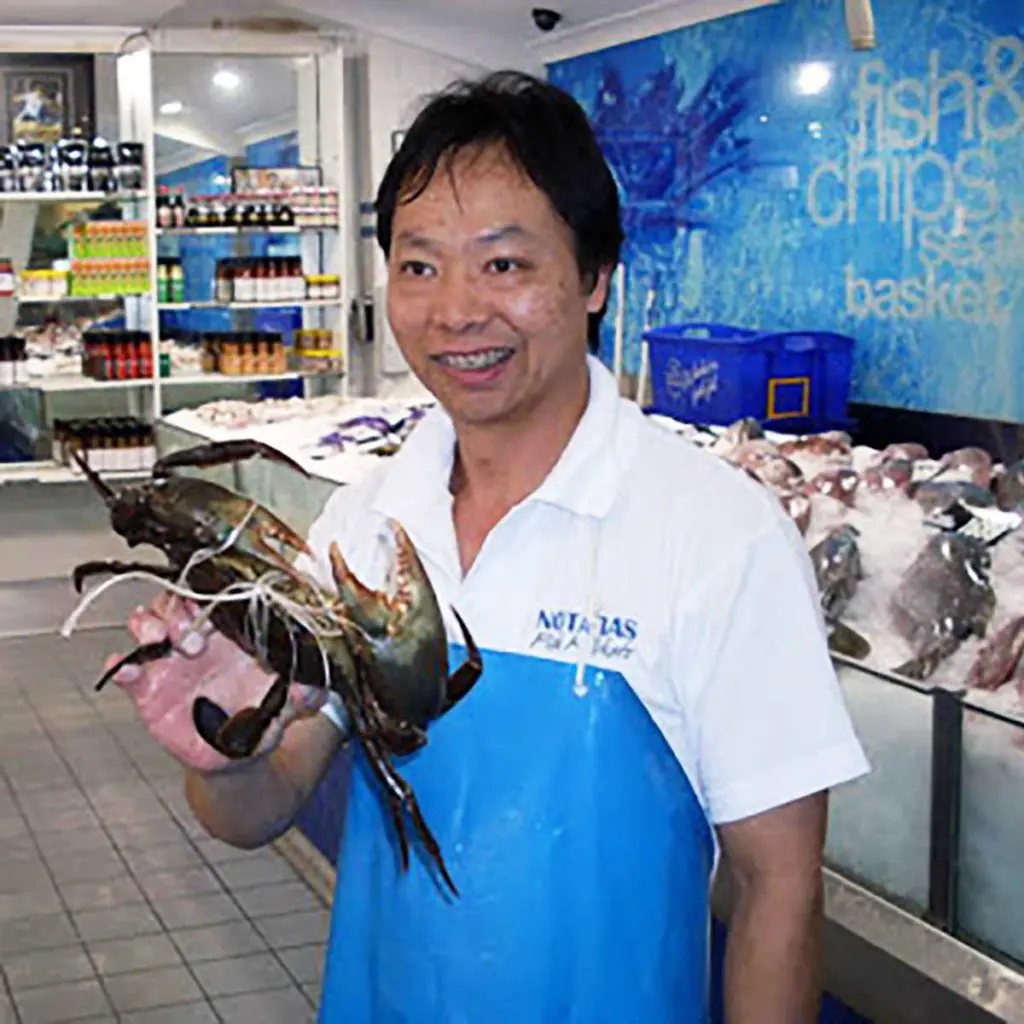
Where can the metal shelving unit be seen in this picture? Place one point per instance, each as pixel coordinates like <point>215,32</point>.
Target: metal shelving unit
<point>328,246</point>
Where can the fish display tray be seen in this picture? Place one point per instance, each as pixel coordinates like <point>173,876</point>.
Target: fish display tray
<point>881,829</point>
<point>793,381</point>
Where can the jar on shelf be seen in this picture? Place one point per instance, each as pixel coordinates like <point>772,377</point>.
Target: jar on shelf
<point>323,287</point>
<point>7,280</point>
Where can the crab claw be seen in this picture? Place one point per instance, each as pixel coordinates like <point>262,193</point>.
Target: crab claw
<point>239,735</point>
<point>374,611</point>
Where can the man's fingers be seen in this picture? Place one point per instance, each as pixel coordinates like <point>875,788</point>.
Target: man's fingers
<point>187,635</point>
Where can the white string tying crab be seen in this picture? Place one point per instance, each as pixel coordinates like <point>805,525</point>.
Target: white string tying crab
<point>384,654</point>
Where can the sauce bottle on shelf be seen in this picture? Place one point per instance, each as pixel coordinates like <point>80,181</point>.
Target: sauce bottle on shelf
<point>176,282</point>
<point>223,278</point>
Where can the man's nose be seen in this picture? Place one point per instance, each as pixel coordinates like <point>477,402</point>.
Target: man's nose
<point>460,304</point>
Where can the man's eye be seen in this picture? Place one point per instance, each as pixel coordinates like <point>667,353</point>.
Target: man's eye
<point>504,264</point>
<point>415,267</point>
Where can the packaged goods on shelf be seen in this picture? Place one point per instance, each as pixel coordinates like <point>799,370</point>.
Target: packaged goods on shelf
<point>316,351</point>
<point>94,277</point>
<point>117,355</point>
<point>13,357</point>
<point>43,284</point>
<point>315,207</point>
<point>53,350</point>
<point>179,358</point>
<point>109,258</point>
<point>107,443</point>
<point>170,208</point>
<point>109,240</point>
<point>323,287</point>
<point>264,210</point>
<point>170,280</point>
<point>244,353</point>
<point>7,279</point>
<point>260,279</point>
<point>72,164</point>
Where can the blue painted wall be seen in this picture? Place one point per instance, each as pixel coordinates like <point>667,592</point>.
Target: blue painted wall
<point>888,206</point>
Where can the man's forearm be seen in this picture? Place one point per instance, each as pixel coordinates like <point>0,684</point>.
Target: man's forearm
<point>773,955</point>
<point>257,802</point>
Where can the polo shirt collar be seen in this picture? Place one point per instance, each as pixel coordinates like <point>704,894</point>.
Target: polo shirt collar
<point>584,481</point>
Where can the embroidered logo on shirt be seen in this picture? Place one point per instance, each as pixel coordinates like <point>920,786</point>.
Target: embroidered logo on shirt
<point>602,636</point>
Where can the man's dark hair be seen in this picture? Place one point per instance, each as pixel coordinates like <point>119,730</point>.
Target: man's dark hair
<point>546,133</point>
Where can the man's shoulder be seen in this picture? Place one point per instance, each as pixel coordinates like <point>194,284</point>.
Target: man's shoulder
<point>696,490</point>
<point>351,506</point>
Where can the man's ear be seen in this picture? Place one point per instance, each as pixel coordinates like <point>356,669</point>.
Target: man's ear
<point>599,293</point>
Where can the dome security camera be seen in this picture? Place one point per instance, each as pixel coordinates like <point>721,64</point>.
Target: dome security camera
<point>545,19</point>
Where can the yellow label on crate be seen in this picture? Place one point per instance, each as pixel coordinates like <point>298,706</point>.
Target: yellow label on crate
<point>805,400</point>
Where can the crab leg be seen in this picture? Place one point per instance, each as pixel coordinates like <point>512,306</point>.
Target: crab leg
<point>238,736</point>
<point>397,791</point>
<point>140,656</point>
<point>465,677</point>
<point>218,453</point>
<point>400,797</point>
<point>401,791</point>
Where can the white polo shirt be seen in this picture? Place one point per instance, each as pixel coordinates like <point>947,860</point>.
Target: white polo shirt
<point>642,554</point>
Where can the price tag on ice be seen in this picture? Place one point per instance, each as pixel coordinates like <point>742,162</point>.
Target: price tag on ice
<point>988,525</point>
<point>925,470</point>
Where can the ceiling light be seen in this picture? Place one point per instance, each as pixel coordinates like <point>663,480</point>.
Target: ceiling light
<point>171,108</point>
<point>813,78</point>
<point>860,24</point>
<point>227,80</point>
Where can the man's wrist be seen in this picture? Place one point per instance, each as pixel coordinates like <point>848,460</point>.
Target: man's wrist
<point>333,709</point>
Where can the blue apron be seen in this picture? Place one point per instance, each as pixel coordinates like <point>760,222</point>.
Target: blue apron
<point>580,851</point>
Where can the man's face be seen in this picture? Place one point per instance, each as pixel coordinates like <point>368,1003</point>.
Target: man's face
<point>485,297</point>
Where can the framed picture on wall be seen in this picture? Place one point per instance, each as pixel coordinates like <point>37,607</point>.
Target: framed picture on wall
<point>45,97</point>
<point>274,179</point>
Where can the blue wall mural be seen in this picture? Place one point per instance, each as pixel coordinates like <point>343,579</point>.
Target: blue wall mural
<point>773,178</point>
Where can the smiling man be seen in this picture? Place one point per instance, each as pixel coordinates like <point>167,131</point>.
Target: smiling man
<point>656,687</point>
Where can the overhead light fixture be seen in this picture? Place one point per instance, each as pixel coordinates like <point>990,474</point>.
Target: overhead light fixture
<point>227,80</point>
<point>171,107</point>
<point>860,24</point>
<point>813,78</point>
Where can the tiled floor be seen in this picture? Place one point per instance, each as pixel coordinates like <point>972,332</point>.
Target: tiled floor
<point>114,905</point>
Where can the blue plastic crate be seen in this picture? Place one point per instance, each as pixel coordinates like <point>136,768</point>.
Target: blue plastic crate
<point>791,381</point>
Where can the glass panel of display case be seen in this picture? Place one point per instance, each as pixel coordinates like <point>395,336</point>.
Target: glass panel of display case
<point>991,897</point>
<point>244,215</point>
<point>226,131</point>
<point>879,825</point>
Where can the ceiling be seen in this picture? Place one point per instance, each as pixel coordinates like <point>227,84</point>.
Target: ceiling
<point>494,33</point>
<point>507,20</point>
